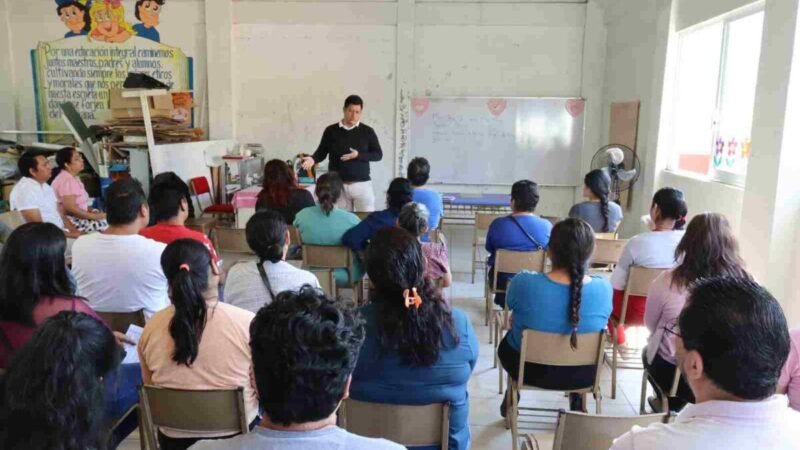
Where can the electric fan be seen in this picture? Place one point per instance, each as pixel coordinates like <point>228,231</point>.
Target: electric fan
<point>621,164</point>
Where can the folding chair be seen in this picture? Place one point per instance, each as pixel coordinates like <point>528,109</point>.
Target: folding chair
<point>578,431</point>
<point>407,425</point>
<point>212,412</point>
<point>120,321</point>
<point>333,257</point>
<point>199,186</point>
<point>554,350</point>
<point>482,222</point>
<point>662,396</point>
<point>639,281</point>
<point>327,281</point>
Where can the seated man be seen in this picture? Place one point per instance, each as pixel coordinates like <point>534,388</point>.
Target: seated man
<point>34,198</point>
<point>118,270</point>
<point>304,351</point>
<point>731,342</point>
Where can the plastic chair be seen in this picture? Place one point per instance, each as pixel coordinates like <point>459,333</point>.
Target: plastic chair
<point>407,425</point>
<point>199,186</point>
<point>579,431</point>
<point>639,281</point>
<point>121,321</point>
<point>201,412</point>
<point>333,257</point>
<point>554,350</point>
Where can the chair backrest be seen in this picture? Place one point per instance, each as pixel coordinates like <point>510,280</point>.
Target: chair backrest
<point>363,214</point>
<point>199,186</point>
<point>579,431</point>
<point>606,235</point>
<point>12,220</point>
<point>483,220</point>
<point>607,251</point>
<point>120,321</point>
<point>509,261</point>
<point>294,236</point>
<point>552,219</point>
<point>212,411</point>
<point>232,240</point>
<point>554,349</point>
<point>328,257</point>
<point>327,281</point>
<point>407,425</point>
<point>640,279</point>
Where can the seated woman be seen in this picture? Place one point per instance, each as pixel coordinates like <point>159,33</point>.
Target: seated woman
<point>789,383</point>
<point>53,392</point>
<point>197,343</point>
<point>281,192</point>
<point>564,301</point>
<point>654,250</point>
<point>414,219</point>
<point>417,350</point>
<point>522,231</point>
<point>398,195</point>
<point>708,249</point>
<point>418,172</point>
<point>325,224</point>
<point>602,215</point>
<point>252,285</point>
<point>35,285</point>
<point>71,193</point>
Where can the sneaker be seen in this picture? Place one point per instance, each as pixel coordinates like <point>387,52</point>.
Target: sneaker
<point>655,404</point>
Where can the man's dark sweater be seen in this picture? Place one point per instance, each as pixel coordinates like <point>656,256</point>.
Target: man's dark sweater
<point>337,142</point>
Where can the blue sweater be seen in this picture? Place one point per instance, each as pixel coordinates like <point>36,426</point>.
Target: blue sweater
<point>380,376</point>
<point>541,304</point>
<point>433,201</point>
<point>358,237</point>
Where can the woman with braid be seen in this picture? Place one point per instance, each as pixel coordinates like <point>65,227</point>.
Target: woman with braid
<point>602,215</point>
<point>564,301</point>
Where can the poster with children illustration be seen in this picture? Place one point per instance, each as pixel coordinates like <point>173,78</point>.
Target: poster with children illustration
<point>101,42</point>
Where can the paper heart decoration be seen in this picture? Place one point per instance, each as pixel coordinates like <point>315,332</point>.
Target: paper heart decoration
<point>496,106</point>
<point>420,105</point>
<point>575,107</point>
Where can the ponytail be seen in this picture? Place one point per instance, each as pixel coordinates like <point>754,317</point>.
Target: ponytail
<point>186,263</point>
<point>604,212</point>
<point>576,274</point>
<point>598,182</point>
<point>328,190</point>
<point>414,218</point>
<point>672,205</point>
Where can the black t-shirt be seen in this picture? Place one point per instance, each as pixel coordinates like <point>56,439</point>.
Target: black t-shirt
<point>337,142</point>
<point>299,199</point>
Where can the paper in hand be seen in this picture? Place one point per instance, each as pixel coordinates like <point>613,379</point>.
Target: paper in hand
<point>132,355</point>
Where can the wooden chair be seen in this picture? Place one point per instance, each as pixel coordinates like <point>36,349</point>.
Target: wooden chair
<point>12,220</point>
<point>482,223</point>
<point>232,240</point>
<point>607,252</point>
<point>203,225</point>
<point>327,280</point>
<point>120,321</point>
<point>333,257</point>
<point>294,236</point>
<point>662,396</point>
<point>554,350</point>
<point>639,281</point>
<point>552,219</point>
<point>211,412</point>
<point>508,261</point>
<point>198,187</point>
<point>407,425</point>
<point>363,214</point>
<point>606,236</point>
<point>578,431</point>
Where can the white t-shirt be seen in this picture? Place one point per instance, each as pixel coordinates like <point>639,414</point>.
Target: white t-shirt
<point>120,273</point>
<point>245,289</point>
<point>30,194</point>
<point>653,250</point>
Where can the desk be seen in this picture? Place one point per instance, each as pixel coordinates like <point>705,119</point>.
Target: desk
<point>244,202</point>
<point>461,208</point>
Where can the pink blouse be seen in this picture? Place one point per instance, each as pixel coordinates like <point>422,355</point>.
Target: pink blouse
<point>436,255</point>
<point>67,184</point>
<point>790,376</point>
<point>664,305</point>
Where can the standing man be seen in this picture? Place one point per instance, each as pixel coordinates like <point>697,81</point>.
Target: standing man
<point>351,146</point>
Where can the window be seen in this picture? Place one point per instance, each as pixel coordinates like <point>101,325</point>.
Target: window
<point>715,86</point>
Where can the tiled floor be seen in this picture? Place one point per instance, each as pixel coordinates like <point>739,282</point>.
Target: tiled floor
<point>488,430</point>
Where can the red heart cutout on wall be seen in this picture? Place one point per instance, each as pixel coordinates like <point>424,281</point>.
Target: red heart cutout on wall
<point>575,107</point>
<point>420,105</point>
<point>496,106</point>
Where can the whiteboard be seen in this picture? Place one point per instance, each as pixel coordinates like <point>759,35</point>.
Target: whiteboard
<point>498,140</point>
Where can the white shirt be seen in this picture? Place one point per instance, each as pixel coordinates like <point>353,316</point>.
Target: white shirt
<point>721,425</point>
<point>30,194</point>
<point>653,250</point>
<point>342,125</point>
<point>120,273</point>
<point>245,289</point>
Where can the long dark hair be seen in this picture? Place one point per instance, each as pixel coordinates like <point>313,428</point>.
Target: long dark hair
<point>399,193</point>
<point>671,205</point>
<point>708,249</point>
<point>598,182</point>
<point>328,189</point>
<point>53,392</point>
<point>395,263</point>
<point>63,157</point>
<point>266,235</point>
<point>279,181</point>
<point>186,263</point>
<point>571,246</point>
<point>32,266</point>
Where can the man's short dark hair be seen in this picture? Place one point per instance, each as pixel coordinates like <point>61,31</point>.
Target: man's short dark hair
<point>353,100</point>
<point>123,201</point>
<point>419,170</point>
<point>27,162</point>
<point>739,330</point>
<point>165,202</point>
<point>140,3</point>
<point>525,194</point>
<point>304,348</point>
<point>399,194</point>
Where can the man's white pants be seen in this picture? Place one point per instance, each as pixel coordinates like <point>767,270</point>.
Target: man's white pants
<point>358,197</point>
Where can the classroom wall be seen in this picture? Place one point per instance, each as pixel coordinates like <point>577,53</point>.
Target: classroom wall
<point>6,72</point>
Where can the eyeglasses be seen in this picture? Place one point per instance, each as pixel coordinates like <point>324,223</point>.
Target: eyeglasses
<point>672,328</point>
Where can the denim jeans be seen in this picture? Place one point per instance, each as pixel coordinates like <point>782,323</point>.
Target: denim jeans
<point>121,393</point>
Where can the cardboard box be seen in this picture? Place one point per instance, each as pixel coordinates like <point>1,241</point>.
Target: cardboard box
<point>117,101</point>
<point>136,113</point>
